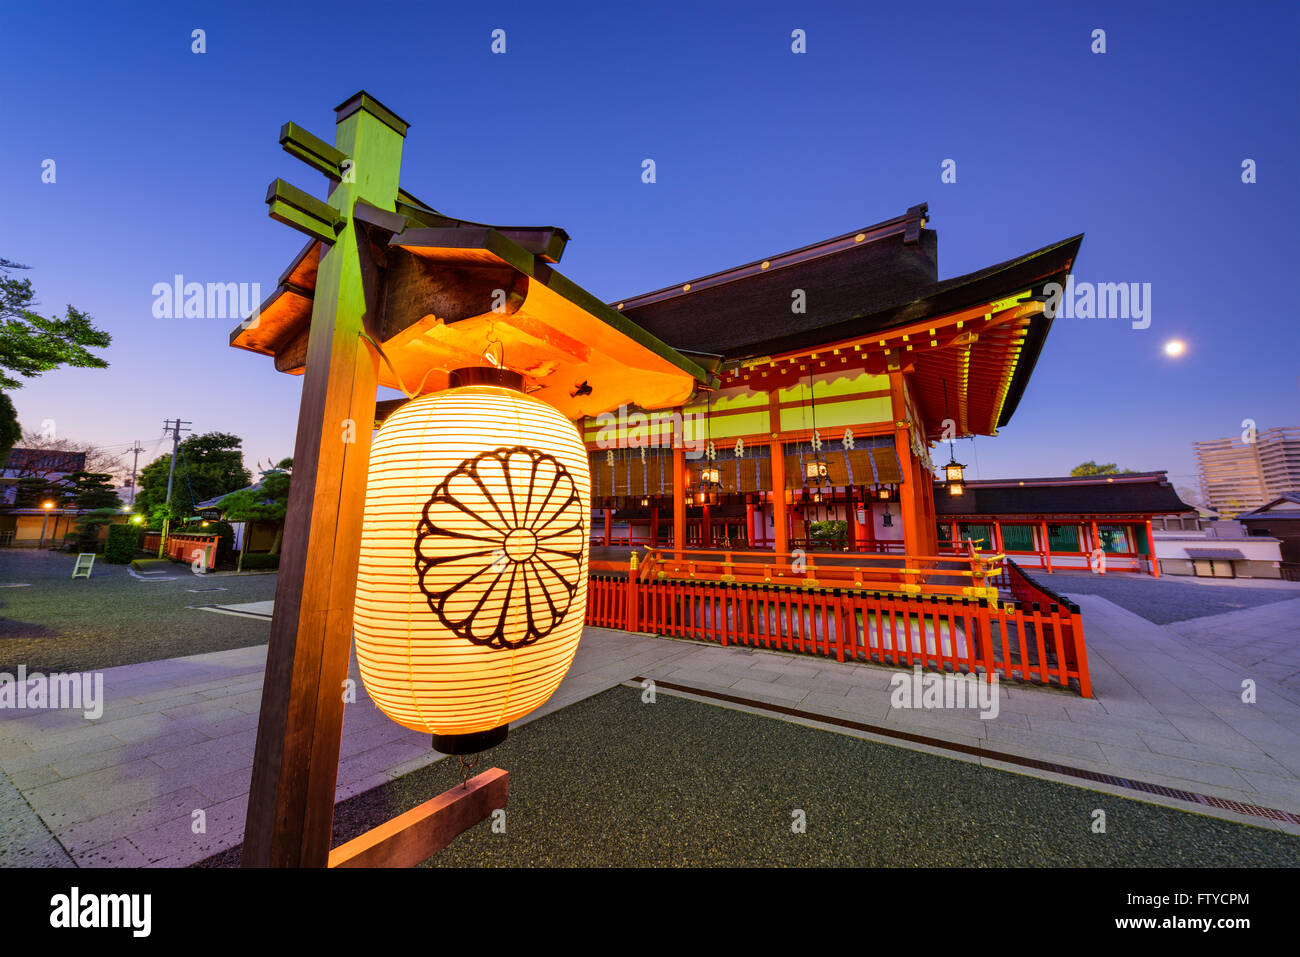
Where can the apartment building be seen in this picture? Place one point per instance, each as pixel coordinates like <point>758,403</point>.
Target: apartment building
<point>1238,476</point>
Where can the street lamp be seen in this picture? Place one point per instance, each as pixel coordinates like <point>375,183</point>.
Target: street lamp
<point>45,521</point>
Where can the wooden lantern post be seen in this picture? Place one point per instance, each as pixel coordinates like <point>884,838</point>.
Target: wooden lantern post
<point>295,767</point>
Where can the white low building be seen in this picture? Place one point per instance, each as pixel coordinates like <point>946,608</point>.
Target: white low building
<point>1223,550</point>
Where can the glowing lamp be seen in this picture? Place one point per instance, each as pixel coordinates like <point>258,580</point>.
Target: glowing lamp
<point>954,471</point>
<point>472,582</point>
<point>47,505</point>
<point>710,475</point>
<point>815,469</point>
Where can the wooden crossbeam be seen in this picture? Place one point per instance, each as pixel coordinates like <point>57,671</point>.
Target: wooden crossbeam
<point>304,212</point>
<point>421,832</point>
<point>312,150</point>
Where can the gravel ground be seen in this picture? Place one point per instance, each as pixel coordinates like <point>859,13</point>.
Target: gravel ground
<point>61,624</point>
<point>1164,600</point>
<point>610,781</point>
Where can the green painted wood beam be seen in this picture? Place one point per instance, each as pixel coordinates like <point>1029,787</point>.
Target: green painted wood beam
<point>312,150</point>
<point>304,212</point>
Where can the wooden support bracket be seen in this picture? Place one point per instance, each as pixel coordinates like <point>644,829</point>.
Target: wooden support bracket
<point>303,212</point>
<point>423,831</point>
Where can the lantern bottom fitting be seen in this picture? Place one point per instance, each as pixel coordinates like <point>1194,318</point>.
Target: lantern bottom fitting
<point>470,743</point>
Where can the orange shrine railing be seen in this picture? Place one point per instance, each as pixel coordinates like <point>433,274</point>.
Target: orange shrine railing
<point>1038,638</point>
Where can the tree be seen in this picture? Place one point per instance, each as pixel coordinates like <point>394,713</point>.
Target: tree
<point>10,430</point>
<point>93,490</point>
<point>33,491</point>
<point>266,502</point>
<point>1092,468</point>
<point>31,344</point>
<point>207,465</point>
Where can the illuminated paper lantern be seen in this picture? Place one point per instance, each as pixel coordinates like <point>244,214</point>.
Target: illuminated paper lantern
<point>472,583</point>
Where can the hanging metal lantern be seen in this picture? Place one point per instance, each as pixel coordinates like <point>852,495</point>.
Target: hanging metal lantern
<point>472,584</point>
<point>954,473</point>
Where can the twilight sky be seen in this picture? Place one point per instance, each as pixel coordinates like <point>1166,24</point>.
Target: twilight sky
<point>163,157</point>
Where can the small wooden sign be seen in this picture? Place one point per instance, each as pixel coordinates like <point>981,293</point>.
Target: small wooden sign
<point>85,562</point>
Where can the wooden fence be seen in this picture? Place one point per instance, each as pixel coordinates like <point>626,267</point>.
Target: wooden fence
<point>187,548</point>
<point>1029,640</point>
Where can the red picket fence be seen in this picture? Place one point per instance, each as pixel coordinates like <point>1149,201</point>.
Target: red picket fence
<point>185,548</point>
<point>1027,641</point>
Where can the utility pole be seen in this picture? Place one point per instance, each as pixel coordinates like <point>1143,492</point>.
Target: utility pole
<point>135,461</point>
<point>171,474</point>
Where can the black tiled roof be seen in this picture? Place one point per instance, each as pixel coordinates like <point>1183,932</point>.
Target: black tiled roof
<point>737,318</point>
<point>1263,511</point>
<point>887,281</point>
<point>1147,493</point>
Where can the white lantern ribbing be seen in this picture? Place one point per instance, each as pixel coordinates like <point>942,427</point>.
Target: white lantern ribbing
<point>472,583</point>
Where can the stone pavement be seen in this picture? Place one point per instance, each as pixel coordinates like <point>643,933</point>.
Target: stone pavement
<point>1265,639</point>
<point>177,735</point>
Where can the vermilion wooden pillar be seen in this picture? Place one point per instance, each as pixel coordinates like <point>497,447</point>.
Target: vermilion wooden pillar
<point>780,519</point>
<point>909,489</point>
<point>928,520</point>
<point>609,521</point>
<point>750,535</point>
<point>1151,549</point>
<point>997,537</point>
<point>706,526</point>
<point>1047,548</point>
<point>1096,543</point>
<point>679,490</point>
<point>776,455</point>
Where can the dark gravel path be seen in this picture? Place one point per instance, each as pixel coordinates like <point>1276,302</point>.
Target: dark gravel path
<point>610,781</point>
<point>58,624</point>
<point>1164,600</point>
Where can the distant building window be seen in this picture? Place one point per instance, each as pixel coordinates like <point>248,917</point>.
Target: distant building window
<point>1114,539</point>
<point>1018,538</point>
<point>981,535</point>
<point>1063,538</point>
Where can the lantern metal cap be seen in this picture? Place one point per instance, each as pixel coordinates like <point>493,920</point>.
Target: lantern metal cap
<point>487,375</point>
<point>471,743</point>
